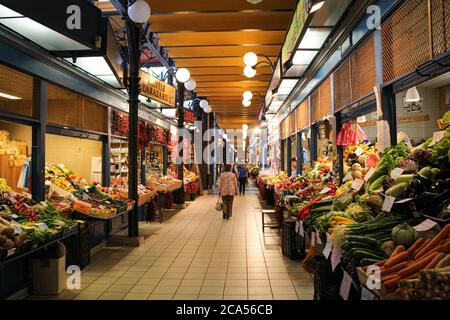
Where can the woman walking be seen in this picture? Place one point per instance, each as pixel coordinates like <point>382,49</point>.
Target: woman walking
<point>227,190</point>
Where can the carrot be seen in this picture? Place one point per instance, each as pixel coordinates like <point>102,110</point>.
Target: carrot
<point>446,247</point>
<point>417,265</point>
<point>437,258</point>
<point>389,277</point>
<point>394,268</point>
<point>392,283</point>
<point>398,249</point>
<point>395,259</point>
<point>419,249</point>
<point>411,250</point>
<point>438,248</point>
<point>443,234</point>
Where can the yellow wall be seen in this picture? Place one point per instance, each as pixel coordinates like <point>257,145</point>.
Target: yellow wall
<point>74,153</point>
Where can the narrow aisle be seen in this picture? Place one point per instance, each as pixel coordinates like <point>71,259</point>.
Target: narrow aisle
<point>198,255</point>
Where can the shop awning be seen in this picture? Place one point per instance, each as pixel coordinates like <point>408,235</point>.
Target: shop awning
<point>63,25</point>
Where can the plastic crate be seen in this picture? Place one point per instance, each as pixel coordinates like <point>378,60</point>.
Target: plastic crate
<point>326,282</point>
<point>78,248</point>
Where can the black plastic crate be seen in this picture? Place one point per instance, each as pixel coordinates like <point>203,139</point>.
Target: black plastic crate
<point>78,248</point>
<point>326,282</point>
<point>289,240</point>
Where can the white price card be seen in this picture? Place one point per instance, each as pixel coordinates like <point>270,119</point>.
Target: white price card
<point>426,225</point>
<point>346,284</point>
<point>404,200</point>
<point>327,250</point>
<point>18,230</point>
<point>397,172</point>
<point>367,295</point>
<point>325,190</point>
<point>359,151</point>
<point>357,184</point>
<point>313,239</point>
<point>319,240</point>
<point>42,226</point>
<point>335,259</point>
<point>369,174</point>
<point>302,230</point>
<point>388,203</point>
<point>11,252</point>
<point>297,227</point>
<point>437,136</point>
<point>44,204</point>
<point>14,216</point>
<point>347,177</point>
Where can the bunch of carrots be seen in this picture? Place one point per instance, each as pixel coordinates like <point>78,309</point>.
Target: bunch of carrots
<point>423,254</point>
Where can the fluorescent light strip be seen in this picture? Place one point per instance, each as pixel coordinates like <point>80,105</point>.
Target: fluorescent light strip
<point>8,96</point>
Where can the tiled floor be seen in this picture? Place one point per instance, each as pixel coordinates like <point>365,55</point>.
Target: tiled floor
<point>197,255</point>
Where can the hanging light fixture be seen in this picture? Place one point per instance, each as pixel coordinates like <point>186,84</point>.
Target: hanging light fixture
<point>246,103</point>
<point>254,1</point>
<point>208,109</point>
<point>183,75</point>
<point>248,95</point>
<point>204,104</point>
<point>315,5</point>
<point>250,59</point>
<point>190,85</point>
<point>249,72</point>
<point>412,95</point>
<point>139,11</point>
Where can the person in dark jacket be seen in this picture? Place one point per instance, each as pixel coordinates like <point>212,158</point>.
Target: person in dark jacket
<point>243,178</point>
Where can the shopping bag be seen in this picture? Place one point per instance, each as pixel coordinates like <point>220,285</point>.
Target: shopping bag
<point>219,205</point>
<point>346,136</point>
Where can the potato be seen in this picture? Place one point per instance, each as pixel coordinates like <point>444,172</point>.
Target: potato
<point>8,245</point>
<point>356,167</point>
<point>19,241</point>
<point>357,175</point>
<point>8,232</point>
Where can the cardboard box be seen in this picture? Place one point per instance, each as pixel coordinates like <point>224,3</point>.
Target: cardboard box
<point>49,276</point>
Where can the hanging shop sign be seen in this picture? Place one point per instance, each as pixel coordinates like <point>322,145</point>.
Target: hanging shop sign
<point>63,25</point>
<point>297,25</point>
<point>153,88</point>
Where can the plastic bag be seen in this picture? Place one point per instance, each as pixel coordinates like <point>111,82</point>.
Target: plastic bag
<point>219,205</point>
<point>347,136</point>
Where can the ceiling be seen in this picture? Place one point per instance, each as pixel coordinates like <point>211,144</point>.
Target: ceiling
<point>210,38</point>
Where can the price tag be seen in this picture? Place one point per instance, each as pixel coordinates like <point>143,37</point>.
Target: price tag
<point>42,226</point>
<point>68,184</point>
<point>328,247</point>
<point>346,284</point>
<point>369,174</point>
<point>18,230</point>
<point>426,225</point>
<point>13,201</point>
<point>347,177</point>
<point>359,151</point>
<point>14,216</point>
<point>86,189</point>
<point>357,184</point>
<point>325,190</point>
<point>388,203</point>
<point>297,227</point>
<point>404,200</point>
<point>11,252</point>
<point>335,259</point>
<point>44,204</point>
<point>437,136</point>
<point>319,240</point>
<point>313,239</point>
<point>396,173</point>
<point>367,295</point>
<point>302,230</point>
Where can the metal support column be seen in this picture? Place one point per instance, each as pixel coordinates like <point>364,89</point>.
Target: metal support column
<point>289,156</point>
<point>282,157</point>
<point>180,199</point>
<point>106,153</point>
<point>134,53</point>
<point>165,159</point>
<point>389,111</point>
<point>313,143</point>
<point>143,166</point>
<point>340,149</point>
<point>38,137</point>
<point>212,167</point>
<point>299,153</point>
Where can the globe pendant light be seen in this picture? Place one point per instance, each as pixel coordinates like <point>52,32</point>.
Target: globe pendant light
<point>204,104</point>
<point>250,59</point>
<point>246,103</point>
<point>190,85</point>
<point>139,11</point>
<point>183,75</point>
<point>412,95</point>
<point>248,95</point>
<point>208,109</point>
<point>249,72</point>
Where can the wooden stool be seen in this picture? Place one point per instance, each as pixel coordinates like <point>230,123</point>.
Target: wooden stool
<point>271,225</point>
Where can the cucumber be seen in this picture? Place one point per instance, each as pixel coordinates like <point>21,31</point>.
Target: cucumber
<point>367,262</point>
<point>322,209</point>
<point>355,238</point>
<point>361,245</point>
<point>322,203</point>
<point>361,254</point>
<point>354,251</point>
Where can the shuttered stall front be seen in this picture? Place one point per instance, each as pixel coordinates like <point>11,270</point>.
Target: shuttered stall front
<point>321,101</point>
<point>292,124</point>
<point>406,39</point>
<point>440,26</point>
<point>284,129</point>
<point>64,107</point>
<point>342,90</point>
<point>95,116</point>
<point>302,115</point>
